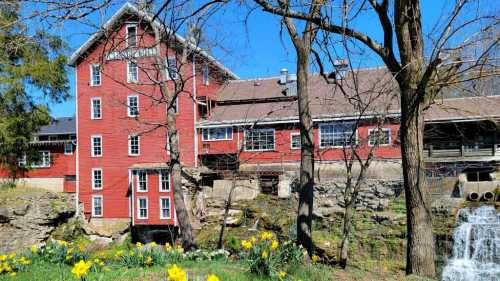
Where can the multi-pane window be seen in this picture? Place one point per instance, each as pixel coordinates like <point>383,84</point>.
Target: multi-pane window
<point>295,140</point>
<point>337,134</point>
<point>259,139</point>
<point>132,72</point>
<point>142,181</point>
<point>68,148</point>
<point>131,36</point>
<point>97,205</point>
<point>133,145</point>
<point>171,69</point>
<point>43,160</point>
<point>96,146</point>
<point>221,133</point>
<point>164,207</point>
<point>205,75</point>
<point>96,112</point>
<point>95,75</point>
<point>379,137</point>
<point>97,178</point>
<point>133,106</point>
<point>142,208</point>
<point>164,181</point>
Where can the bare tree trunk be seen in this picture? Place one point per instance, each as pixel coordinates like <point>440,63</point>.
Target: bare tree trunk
<point>420,247</point>
<point>227,206</point>
<point>306,188</point>
<point>346,232</point>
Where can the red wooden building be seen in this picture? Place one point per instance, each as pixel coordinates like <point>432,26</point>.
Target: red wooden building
<point>122,154</point>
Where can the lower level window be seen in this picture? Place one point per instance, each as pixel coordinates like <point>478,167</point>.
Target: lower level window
<point>165,208</point>
<point>142,208</point>
<point>379,137</point>
<point>259,139</point>
<point>97,206</point>
<point>42,161</point>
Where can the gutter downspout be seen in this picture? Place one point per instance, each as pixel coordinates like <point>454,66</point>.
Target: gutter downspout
<point>77,158</point>
<point>195,112</point>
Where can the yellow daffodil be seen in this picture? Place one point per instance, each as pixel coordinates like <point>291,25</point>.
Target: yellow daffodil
<point>253,239</point>
<point>138,245</point>
<point>266,235</point>
<point>69,251</point>
<point>81,268</point>
<point>131,253</point>
<point>314,258</point>
<point>149,260</point>
<point>274,245</point>
<point>175,273</point>
<point>3,258</point>
<point>34,249</point>
<point>153,244</point>
<point>168,247</point>
<point>246,244</point>
<point>119,254</point>
<point>265,254</point>
<point>13,274</point>
<point>282,274</point>
<point>179,249</point>
<point>62,243</point>
<point>12,256</point>
<point>24,261</point>
<point>212,277</point>
<point>68,258</point>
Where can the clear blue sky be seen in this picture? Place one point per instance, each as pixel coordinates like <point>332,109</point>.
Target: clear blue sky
<point>254,49</point>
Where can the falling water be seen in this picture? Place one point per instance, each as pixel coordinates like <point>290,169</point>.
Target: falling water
<point>476,246</point>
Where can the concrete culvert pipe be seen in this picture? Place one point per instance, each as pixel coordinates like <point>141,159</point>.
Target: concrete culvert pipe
<point>473,196</point>
<point>488,196</point>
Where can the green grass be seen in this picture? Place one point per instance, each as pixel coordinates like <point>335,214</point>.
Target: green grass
<point>230,271</point>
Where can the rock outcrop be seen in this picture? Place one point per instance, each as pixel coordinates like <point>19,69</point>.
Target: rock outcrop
<point>29,217</point>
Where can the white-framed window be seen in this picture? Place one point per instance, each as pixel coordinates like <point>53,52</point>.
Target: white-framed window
<point>337,134</point>
<point>132,72</point>
<point>171,68</point>
<point>131,35</point>
<point>68,148</point>
<point>142,181</point>
<point>382,137</point>
<point>96,145</point>
<point>295,140</point>
<point>215,134</point>
<point>95,75</point>
<point>43,160</point>
<point>259,139</point>
<point>97,205</point>
<point>205,75</point>
<point>134,145</point>
<point>96,108</point>
<point>164,181</point>
<point>22,162</point>
<point>165,208</point>
<point>97,178</point>
<point>133,106</point>
<point>142,207</point>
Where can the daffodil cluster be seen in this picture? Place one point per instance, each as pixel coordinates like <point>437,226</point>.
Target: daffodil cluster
<point>12,263</point>
<point>149,254</point>
<point>59,251</point>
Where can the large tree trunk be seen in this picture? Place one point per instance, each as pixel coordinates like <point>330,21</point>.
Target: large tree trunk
<point>306,188</point>
<point>420,247</point>
<point>186,232</point>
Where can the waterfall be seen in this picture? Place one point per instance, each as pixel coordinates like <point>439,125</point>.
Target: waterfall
<point>476,246</point>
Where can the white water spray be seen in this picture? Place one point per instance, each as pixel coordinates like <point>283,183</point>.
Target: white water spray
<point>476,246</point>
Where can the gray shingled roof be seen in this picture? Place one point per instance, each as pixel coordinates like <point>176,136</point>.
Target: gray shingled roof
<point>59,126</point>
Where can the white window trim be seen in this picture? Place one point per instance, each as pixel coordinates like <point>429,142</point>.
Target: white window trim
<point>92,116</point>
<point>291,143</point>
<point>64,148</point>
<point>93,179</point>
<point>126,35</point>
<point>169,209</point>
<point>225,139</point>
<point>137,182</point>
<point>130,145</point>
<point>128,72</point>
<point>159,181</point>
<point>383,130</point>
<point>102,206</point>
<point>139,208</point>
<point>92,75</point>
<point>92,145</point>
<point>257,150</point>
<point>128,105</point>
<point>33,165</point>
<point>334,146</point>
